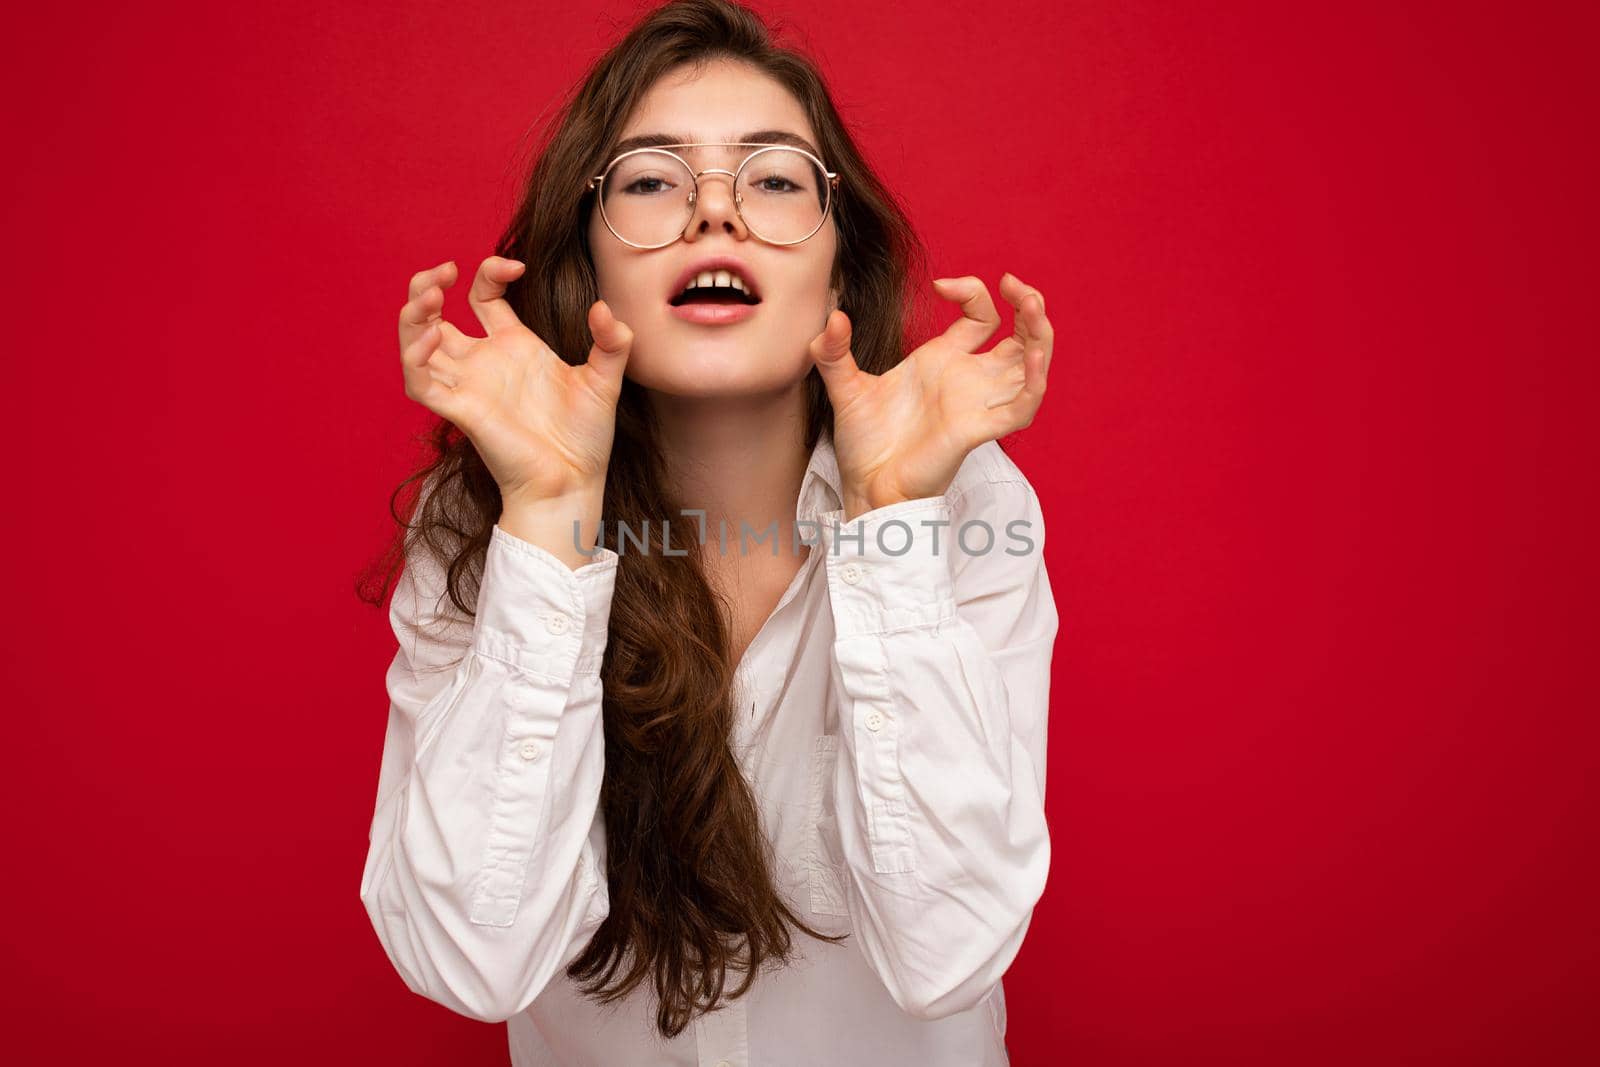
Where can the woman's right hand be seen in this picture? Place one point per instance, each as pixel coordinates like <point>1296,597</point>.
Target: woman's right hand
<point>543,427</point>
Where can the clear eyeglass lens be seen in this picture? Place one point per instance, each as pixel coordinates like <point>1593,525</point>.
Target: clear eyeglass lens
<point>783,196</point>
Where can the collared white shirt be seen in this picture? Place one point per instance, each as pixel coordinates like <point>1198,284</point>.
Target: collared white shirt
<point>892,721</point>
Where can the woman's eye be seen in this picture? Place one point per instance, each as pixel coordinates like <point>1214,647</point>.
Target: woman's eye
<point>655,183</point>
<point>783,182</point>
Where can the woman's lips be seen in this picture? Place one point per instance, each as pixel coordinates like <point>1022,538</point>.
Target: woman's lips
<point>714,314</point>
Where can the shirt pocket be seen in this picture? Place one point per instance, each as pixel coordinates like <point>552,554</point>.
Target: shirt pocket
<point>825,865</point>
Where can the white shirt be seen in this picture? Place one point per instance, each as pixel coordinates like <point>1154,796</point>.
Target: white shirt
<point>892,723</point>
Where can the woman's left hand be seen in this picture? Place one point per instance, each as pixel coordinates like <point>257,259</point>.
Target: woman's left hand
<point>903,434</point>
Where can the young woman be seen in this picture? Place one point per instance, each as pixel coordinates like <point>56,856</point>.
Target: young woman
<point>717,727</point>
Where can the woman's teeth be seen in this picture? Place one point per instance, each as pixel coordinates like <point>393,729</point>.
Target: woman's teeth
<point>716,286</point>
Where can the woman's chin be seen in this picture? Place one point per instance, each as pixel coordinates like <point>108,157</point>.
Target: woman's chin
<point>708,372</point>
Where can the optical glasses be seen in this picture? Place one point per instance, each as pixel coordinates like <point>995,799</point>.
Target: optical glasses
<point>781,193</point>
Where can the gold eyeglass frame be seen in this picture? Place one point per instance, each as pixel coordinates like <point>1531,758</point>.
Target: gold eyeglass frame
<point>598,181</point>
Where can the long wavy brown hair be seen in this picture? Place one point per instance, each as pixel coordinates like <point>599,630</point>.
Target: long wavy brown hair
<point>689,868</point>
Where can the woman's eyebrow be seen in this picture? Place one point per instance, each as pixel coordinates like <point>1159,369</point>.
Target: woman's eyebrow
<point>657,140</point>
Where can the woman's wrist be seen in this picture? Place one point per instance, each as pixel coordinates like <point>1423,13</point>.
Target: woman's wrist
<point>858,504</point>
<point>566,526</point>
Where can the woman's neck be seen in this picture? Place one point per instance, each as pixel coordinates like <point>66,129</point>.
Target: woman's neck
<point>741,459</point>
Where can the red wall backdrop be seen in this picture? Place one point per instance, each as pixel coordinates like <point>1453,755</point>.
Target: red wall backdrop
<point>1316,458</point>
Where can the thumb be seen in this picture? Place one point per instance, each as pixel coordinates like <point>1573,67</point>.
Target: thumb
<point>830,351</point>
<point>613,341</point>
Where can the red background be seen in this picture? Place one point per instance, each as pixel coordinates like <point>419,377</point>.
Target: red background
<point>1315,460</point>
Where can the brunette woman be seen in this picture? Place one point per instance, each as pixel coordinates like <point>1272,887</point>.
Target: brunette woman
<point>718,720</point>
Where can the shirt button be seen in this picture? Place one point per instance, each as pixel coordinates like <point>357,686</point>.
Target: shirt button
<point>874,721</point>
<point>558,623</point>
<point>851,573</point>
<point>530,750</point>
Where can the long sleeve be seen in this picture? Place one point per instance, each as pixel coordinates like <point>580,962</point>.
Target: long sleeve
<point>941,667</point>
<point>486,867</point>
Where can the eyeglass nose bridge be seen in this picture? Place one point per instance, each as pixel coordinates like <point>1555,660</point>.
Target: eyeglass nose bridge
<point>738,197</point>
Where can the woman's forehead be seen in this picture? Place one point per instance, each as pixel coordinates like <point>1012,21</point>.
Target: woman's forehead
<point>723,102</point>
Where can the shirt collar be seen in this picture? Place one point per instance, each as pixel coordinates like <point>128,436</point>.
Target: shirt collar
<point>819,489</point>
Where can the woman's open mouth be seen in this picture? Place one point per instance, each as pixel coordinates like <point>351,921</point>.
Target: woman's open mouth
<point>714,305</point>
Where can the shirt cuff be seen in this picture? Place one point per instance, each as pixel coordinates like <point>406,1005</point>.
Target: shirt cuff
<point>889,568</point>
<point>536,613</point>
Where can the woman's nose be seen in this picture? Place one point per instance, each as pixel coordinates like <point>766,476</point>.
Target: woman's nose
<point>715,207</point>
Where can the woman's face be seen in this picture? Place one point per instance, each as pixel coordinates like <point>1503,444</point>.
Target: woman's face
<point>767,350</point>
